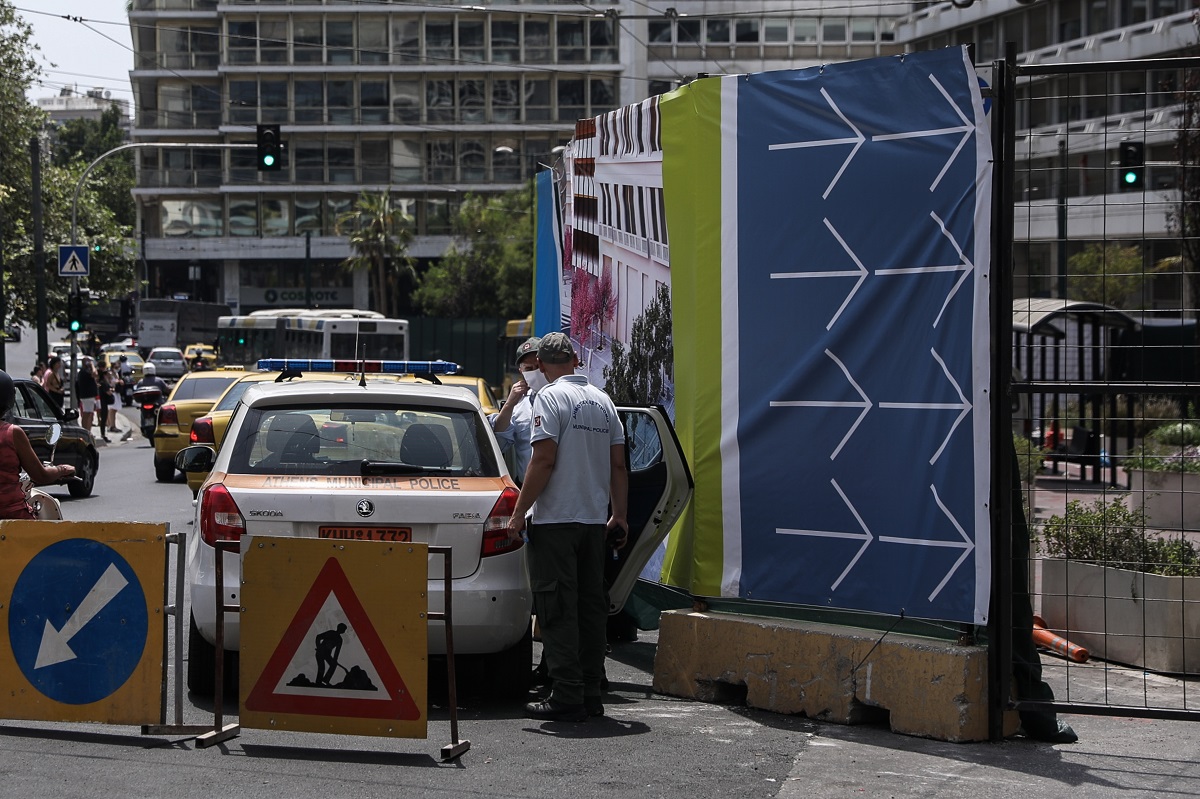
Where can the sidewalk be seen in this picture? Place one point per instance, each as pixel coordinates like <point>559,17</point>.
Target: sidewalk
<point>116,436</point>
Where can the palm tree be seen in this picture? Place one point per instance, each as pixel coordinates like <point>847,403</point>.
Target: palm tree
<point>379,234</point>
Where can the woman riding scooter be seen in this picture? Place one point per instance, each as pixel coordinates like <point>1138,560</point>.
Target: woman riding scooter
<point>16,453</point>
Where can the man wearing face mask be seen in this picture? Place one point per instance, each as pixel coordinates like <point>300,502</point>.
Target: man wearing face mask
<point>513,425</point>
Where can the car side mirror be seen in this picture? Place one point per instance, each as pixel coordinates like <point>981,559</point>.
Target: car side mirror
<point>198,458</point>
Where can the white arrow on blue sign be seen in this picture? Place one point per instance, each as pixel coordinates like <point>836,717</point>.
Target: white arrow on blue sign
<point>73,260</point>
<point>78,622</point>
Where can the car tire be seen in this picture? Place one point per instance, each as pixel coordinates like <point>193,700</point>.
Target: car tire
<point>86,472</point>
<point>201,661</point>
<point>508,673</point>
<point>202,664</point>
<point>164,471</point>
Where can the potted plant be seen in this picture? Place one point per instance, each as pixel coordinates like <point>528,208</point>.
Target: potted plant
<point>1164,476</point>
<point>1127,595</point>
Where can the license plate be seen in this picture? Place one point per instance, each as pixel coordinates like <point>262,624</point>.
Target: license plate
<point>394,534</point>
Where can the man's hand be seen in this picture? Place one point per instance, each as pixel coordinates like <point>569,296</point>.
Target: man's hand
<point>516,523</point>
<point>519,389</point>
<point>617,532</point>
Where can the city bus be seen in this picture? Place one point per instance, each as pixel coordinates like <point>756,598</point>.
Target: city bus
<point>302,333</point>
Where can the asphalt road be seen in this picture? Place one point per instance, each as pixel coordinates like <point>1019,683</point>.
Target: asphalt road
<point>647,746</point>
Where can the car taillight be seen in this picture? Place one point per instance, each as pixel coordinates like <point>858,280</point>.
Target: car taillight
<point>167,415</point>
<point>495,527</point>
<point>202,431</point>
<point>220,517</point>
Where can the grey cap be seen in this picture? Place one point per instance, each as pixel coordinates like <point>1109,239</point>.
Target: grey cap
<point>529,347</point>
<point>556,348</point>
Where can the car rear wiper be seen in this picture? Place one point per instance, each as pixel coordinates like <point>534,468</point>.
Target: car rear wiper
<point>370,467</point>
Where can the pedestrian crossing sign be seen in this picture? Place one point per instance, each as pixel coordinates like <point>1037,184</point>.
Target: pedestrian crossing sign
<point>334,636</point>
<point>73,261</point>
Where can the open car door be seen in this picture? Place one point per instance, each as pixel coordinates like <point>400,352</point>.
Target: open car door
<point>660,486</point>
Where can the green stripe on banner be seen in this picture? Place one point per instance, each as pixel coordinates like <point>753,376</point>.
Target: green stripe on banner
<point>691,137</point>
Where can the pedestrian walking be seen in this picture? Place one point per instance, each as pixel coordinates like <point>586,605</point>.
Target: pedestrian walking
<point>86,390</point>
<point>576,471</point>
<point>52,380</point>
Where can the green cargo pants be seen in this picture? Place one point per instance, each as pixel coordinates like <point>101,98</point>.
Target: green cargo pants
<point>566,572</point>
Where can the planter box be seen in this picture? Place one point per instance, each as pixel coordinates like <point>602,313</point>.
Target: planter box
<point>1145,620</point>
<point>1171,500</point>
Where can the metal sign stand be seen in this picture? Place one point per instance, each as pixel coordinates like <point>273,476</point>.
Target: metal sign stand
<point>219,731</point>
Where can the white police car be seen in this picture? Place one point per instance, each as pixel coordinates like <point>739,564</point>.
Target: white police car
<point>394,461</point>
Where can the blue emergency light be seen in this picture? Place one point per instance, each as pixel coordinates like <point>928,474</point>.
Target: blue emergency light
<point>354,367</point>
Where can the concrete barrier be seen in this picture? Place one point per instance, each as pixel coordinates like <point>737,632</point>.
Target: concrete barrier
<point>920,686</point>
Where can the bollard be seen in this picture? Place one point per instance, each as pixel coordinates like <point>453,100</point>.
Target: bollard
<point>1044,638</point>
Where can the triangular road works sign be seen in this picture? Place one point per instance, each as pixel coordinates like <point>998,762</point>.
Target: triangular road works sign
<point>331,661</point>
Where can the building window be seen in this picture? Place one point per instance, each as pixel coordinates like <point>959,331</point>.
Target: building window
<point>243,101</point>
<point>372,40</point>
<point>537,42</point>
<point>406,40</point>
<point>439,40</point>
<point>406,161</point>
<point>862,30</point>
<point>373,101</point>
<point>339,100</point>
<point>243,39</point>
<point>471,42</point>
<point>406,100</point>
<point>602,42</point>
<point>806,30</point>
<point>571,48</point>
<point>273,98</point>
<point>376,160</point>
<point>310,101</point>
<point>273,41</point>
<point>746,31</point>
<point>506,99</point>
<point>339,42</point>
<point>833,29</point>
<point>307,39</point>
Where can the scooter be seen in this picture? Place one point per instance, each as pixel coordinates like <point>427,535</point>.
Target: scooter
<point>45,507</point>
<point>149,399</point>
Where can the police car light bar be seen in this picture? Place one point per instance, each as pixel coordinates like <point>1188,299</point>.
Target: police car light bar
<point>354,367</point>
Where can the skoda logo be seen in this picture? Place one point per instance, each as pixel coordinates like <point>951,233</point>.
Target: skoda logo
<point>270,297</point>
<point>365,507</point>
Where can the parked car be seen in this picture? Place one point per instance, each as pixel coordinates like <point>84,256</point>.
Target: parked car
<point>476,385</point>
<point>34,413</point>
<point>12,332</point>
<point>440,479</point>
<point>192,397</point>
<point>169,362</point>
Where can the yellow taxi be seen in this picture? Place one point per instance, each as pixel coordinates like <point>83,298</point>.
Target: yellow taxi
<point>192,397</point>
<point>205,351</point>
<point>477,385</point>
<point>112,360</point>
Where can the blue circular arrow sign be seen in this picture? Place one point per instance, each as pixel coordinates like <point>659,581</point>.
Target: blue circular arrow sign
<point>78,621</point>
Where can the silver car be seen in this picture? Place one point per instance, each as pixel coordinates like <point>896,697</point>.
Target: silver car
<point>169,362</point>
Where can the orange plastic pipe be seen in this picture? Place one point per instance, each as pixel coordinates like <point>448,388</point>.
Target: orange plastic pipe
<point>1045,638</point>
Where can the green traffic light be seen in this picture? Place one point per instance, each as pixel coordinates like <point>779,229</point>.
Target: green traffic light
<point>1131,178</point>
<point>76,326</point>
<point>268,160</point>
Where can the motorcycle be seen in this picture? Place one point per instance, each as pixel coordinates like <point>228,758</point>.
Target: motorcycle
<point>148,399</point>
<point>44,506</point>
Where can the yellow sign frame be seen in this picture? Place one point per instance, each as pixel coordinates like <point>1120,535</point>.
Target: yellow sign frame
<point>138,700</point>
<point>381,591</point>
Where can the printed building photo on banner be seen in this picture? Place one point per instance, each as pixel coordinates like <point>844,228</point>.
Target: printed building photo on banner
<point>616,271</point>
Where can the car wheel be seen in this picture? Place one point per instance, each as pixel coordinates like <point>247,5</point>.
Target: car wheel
<point>86,472</point>
<point>164,471</point>
<point>201,660</point>
<point>202,664</point>
<point>508,672</point>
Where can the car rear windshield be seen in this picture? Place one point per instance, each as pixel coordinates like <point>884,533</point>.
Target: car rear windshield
<point>338,439</point>
<point>206,388</point>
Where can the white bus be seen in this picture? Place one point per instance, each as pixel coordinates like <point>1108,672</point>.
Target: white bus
<point>300,333</point>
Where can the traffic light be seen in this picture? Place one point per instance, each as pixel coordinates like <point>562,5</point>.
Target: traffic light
<point>269,149</point>
<point>1133,160</point>
<point>75,316</point>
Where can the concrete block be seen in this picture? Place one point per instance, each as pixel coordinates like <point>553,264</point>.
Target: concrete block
<point>922,687</point>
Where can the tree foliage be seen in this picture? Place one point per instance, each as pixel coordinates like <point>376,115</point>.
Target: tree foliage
<point>643,373</point>
<point>1108,273</point>
<point>380,232</point>
<point>488,270</point>
<point>112,270</point>
<point>85,140</point>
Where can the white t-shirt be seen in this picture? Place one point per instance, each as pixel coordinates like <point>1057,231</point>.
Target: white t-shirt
<point>584,423</point>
